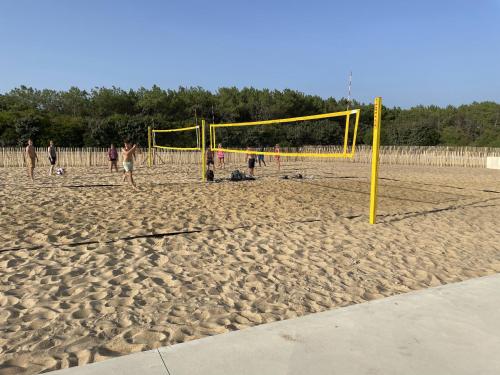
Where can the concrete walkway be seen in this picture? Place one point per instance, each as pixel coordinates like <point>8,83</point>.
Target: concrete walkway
<point>452,329</point>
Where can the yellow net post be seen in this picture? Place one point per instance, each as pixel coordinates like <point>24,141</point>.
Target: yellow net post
<point>149,146</point>
<point>346,136</point>
<point>203,164</point>
<point>377,115</point>
<point>353,148</point>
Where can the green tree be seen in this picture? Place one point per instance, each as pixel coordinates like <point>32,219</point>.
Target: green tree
<point>103,115</point>
<point>29,126</point>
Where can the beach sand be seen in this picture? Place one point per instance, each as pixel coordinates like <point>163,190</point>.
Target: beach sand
<point>90,269</point>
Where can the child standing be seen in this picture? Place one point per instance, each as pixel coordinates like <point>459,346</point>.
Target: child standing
<point>220,156</point>
<point>113,158</point>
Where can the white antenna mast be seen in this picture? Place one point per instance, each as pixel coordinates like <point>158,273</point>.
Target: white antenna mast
<point>349,93</point>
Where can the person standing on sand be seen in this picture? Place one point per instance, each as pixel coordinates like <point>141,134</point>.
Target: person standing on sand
<point>128,153</point>
<point>210,158</point>
<point>277,156</point>
<point>113,158</point>
<point>220,156</point>
<point>51,153</point>
<point>251,161</point>
<point>124,171</point>
<point>31,157</point>
<point>260,158</point>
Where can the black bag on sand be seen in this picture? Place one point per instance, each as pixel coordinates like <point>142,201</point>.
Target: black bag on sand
<point>210,175</point>
<point>237,176</point>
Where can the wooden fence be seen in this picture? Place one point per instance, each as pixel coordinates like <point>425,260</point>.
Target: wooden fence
<point>402,155</point>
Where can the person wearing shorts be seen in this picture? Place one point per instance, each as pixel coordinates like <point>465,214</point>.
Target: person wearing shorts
<point>113,158</point>
<point>220,157</point>
<point>128,153</point>
<point>51,152</point>
<point>251,161</point>
<point>128,166</point>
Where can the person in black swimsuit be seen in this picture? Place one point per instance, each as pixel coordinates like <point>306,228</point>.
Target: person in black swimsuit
<point>251,161</point>
<point>210,159</point>
<point>51,151</point>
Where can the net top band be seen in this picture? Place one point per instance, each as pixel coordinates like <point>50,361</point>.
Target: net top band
<point>291,119</point>
<point>175,130</point>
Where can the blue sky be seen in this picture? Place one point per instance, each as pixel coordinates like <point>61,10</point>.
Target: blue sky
<point>408,52</point>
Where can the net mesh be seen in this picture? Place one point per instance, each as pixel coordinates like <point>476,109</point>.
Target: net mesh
<point>187,138</point>
<point>332,129</point>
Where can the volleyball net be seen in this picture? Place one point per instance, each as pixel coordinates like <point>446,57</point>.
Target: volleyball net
<point>336,128</point>
<point>190,138</point>
<point>176,139</point>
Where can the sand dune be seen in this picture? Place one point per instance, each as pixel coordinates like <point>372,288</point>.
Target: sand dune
<point>90,269</point>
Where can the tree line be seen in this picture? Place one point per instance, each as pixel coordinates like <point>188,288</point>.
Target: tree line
<point>96,118</point>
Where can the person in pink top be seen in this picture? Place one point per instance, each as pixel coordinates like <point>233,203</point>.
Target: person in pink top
<point>220,157</point>
<point>113,158</point>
